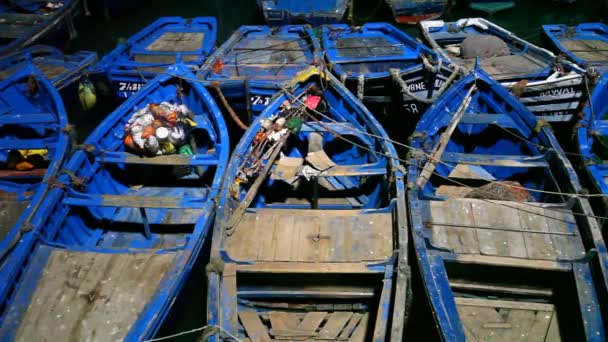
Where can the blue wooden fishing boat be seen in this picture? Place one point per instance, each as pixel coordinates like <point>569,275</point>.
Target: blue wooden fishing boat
<point>507,248</point>
<point>591,135</point>
<point>550,87</point>
<point>62,70</point>
<point>491,6</point>
<point>23,22</point>
<point>32,149</point>
<point>119,232</point>
<point>149,52</point>
<point>312,196</point>
<point>313,12</point>
<point>252,63</point>
<point>381,64</point>
<point>585,44</point>
<point>415,11</point>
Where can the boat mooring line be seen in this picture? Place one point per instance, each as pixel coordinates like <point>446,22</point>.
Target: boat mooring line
<point>505,229</point>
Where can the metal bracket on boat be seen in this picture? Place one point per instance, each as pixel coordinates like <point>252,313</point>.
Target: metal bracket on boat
<point>592,253</point>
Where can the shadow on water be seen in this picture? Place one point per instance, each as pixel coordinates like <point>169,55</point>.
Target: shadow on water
<point>100,34</point>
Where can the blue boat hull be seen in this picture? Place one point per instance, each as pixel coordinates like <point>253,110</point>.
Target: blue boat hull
<point>585,44</point>
<point>122,228</point>
<point>250,66</point>
<point>150,51</point>
<point>498,225</point>
<point>300,269</point>
<point>313,12</point>
<point>24,192</point>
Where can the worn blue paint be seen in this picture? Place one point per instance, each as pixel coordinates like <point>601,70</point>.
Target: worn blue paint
<point>15,103</point>
<point>552,88</point>
<point>371,51</point>
<point>557,34</point>
<point>314,12</point>
<point>594,126</point>
<point>62,223</point>
<point>546,169</point>
<point>127,75</point>
<point>414,11</point>
<point>47,56</point>
<point>32,25</point>
<point>380,196</point>
<point>255,59</point>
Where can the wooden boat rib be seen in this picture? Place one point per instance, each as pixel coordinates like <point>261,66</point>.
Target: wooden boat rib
<point>60,69</point>
<point>22,23</point>
<point>415,11</point>
<point>311,238</point>
<point>314,12</point>
<point>166,41</point>
<point>586,44</point>
<point>367,60</point>
<point>251,63</point>
<point>553,93</point>
<point>32,118</point>
<point>505,251</point>
<point>119,237</point>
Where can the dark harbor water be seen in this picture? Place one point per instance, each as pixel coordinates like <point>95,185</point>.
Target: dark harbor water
<point>100,33</point>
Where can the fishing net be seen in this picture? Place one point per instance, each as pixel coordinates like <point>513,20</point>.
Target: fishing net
<point>483,46</point>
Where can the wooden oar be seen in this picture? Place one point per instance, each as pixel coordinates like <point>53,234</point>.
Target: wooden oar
<point>429,168</point>
<point>238,212</point>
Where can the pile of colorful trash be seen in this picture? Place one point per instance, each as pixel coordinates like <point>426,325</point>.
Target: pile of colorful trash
<point>159,129</point>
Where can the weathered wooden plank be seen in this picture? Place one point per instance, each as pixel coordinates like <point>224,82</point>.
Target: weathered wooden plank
<point>256,331</point>
<point>311,321</point>
<point>335,322</point>
<point>79,293</point>
<point>474,319</point>
<point>460,240</point>
<point>538,246</point>
<point>177,42</point>
<point>306,247</point>
<point>350,327</point>
<point>514,262</point>
<point>504,304</point>
<point>360,333</point>
<point>553,333</point>
<point>566,247</point>
<point>283,321</point>
<point>496,242</point>
<point>268,244</point>
<point>284,225</point>
<point>239,243</point>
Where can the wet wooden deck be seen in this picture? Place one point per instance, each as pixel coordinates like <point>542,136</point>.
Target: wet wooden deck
<point>85,296</point>
<point>312,236</point>
<point>177,42</point>
<point>505,67</point>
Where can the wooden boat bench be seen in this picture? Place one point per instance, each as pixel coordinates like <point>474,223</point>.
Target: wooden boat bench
<point>312,236</point>
<point>506,233</point>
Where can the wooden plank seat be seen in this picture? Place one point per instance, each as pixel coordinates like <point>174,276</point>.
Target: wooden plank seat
<point>27,119</point>
<point>505,231</point>
<point>312,236</point>
<point>159,202</point>
<point>169,160</point>
<point>494,160</point>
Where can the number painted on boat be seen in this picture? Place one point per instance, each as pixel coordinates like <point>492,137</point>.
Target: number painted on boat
<point>260,100</point>
<point>411,108</point>
<point>130,86</point>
